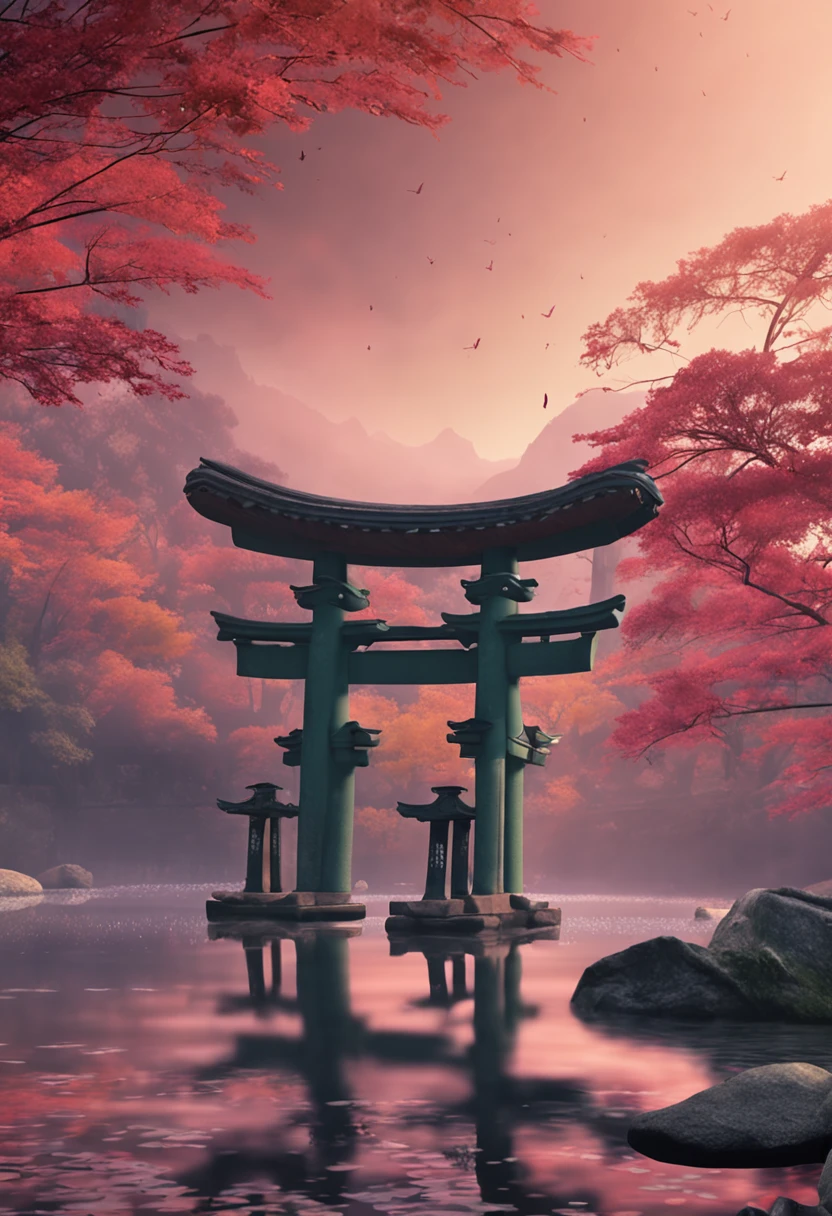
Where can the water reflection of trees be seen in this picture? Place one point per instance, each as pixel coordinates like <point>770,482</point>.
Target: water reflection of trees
<point>331,1037</point>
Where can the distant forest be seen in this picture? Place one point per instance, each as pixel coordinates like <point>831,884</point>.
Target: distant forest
<point>123,719</point>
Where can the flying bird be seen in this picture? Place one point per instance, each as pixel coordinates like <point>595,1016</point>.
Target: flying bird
<point>727,15</point>
<point>549,313</point>
<point>368,348</point>
<point>302,155</point>
<point>419,191</point>
<point>490,265</point>
<point>546,347</point>
<point>430,259</point>
<point>474,347</point>
<point>371,308</point>
<point>487,242</point>
<point>545,400</point>
<point>782,175</point>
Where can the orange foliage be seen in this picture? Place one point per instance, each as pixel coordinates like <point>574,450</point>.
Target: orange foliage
<point>569,704</point>
<point>256,756</point>
<point>144,628</point>
<point>414,744</point>
<point>137,700</point>
<point>383,826</point>
<point>392,597</point>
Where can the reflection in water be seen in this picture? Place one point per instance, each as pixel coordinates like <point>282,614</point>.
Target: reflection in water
<point>332,1035</point>
<point>294,1071</point>
<point>727,1047</point>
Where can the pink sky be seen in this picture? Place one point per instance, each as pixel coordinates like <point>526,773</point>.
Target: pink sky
<point>622,172</point>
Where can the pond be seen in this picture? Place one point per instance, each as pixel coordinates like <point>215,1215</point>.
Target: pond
<point>147,1068</point>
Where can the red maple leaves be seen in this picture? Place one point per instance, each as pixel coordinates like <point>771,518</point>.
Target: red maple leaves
<point>118,121</point>
<point>735,624</point>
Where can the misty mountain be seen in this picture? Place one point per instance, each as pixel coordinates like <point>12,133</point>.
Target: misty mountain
<point>547,462</point>
<point>552,456</point>
<point>340,459</point>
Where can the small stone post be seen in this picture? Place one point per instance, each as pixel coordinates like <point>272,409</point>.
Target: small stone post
<point>460,854</point>
<point>437,860</point>
<point>261,807</point>
<point>446,809</point>
<point>254,866</point>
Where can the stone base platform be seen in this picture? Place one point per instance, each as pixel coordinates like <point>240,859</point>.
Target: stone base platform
<point>283,905</point>
<point>473,914</point>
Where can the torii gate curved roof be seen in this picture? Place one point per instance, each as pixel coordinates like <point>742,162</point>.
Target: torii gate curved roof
<point>592,511</point>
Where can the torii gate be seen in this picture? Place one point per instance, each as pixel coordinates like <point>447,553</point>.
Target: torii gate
<point>492,650</point>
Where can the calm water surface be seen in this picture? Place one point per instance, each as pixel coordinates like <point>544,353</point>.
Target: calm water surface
<point>145,1068</point>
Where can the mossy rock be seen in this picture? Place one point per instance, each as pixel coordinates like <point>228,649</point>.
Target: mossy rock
<point>66,877</point>
<point>12,883</point>
<point>770,959</point>
<point>778,944</point>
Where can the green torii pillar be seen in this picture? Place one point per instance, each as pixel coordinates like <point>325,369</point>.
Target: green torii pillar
<point>331,745</point>
<point>497,591</point>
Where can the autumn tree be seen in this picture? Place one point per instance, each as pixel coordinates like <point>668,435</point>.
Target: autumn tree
<point>83,642</point>
<point>120,121</point>
<point>731,644</point>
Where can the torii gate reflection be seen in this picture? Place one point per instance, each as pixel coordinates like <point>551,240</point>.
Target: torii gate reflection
<point>333,1040</point>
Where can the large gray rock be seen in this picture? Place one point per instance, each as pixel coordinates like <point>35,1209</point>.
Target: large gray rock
<point>778,945</point>
<point>12,883</point>
<point>785,1207</point>
<point>662,976</point>
<point>777,1115</point>
<point>825,1183</point>
<point>66,876</point>
<point>770,959</point>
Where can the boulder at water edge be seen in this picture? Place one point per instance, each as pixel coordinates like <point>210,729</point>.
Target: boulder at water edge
<point>12,883</point>
<point>778,944</point>
<point>663,977</point>
<point>703,913</point>
<point>777,1115</point>
<point>769,959</point>
<point>785,1207</point>
<point>66,876</point>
